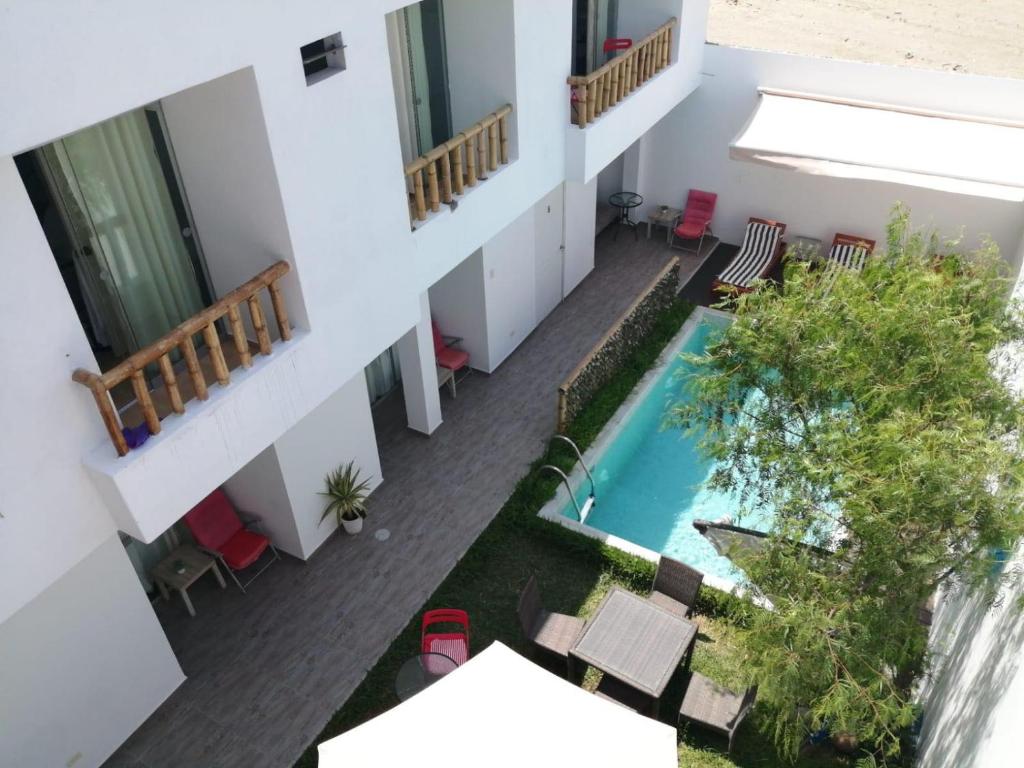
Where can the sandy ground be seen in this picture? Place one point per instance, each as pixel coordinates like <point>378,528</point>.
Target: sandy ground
<point>984,37</point>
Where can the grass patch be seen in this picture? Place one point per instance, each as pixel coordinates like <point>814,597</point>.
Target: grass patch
<point>574,573</point>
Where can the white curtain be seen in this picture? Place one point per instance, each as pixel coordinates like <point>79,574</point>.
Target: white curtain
<point>139,276</point>
<point>383,374</point>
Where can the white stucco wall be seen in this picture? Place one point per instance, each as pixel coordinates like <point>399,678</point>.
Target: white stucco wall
<point>580,219</point>
<point>690,149</point>
<point>974,699</point>
<point>82,665</point>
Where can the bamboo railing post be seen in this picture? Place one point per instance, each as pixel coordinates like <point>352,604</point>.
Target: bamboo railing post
<point>503,130</point>
<point>171,384</point>
<point>145,402</point>
<point>581,106</point>
<point>668,45</point>
<point>481,147</point>
<point>457,172</point>
<point>471,160</point>
<point>627,70</point>
<point>259,324</point>
<point>592,100</point>
<point>284,328</point>
<point>220,365</point>
<point>239,337</point>
<point>446,176</point>
<point>417,187</point>
<point>606,91</point>
<point>195,371</point>
<point>105,407</point>
<point>492,145</point>
<point>433,196</point>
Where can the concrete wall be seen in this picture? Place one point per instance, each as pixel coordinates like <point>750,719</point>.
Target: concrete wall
<point>259,489</point>
<point>82,665</point>
<point>974,701</point>
<point>690,148</point>
<point>457,304</point>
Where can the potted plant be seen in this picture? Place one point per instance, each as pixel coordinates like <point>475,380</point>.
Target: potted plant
<point>346,493</point>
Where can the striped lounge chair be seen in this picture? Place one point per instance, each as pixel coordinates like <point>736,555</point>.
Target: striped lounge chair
<point>762,247</point>
<point>850,251</point>
<point>847,252</point>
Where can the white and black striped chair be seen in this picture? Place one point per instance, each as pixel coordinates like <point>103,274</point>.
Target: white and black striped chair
<point>762,247</point>
<point>850,251</point>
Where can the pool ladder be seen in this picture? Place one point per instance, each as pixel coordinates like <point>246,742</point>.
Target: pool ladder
<point>581,512</point>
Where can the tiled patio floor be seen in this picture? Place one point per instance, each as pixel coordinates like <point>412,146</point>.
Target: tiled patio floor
<point>266,670</point>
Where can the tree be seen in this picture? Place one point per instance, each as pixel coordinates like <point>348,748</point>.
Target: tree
<point>868,414</point>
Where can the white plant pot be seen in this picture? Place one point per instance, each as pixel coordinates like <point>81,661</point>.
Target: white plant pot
<point>352,527</point>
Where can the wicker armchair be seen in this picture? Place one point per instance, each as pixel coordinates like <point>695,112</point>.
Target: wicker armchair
<point>676,587</point>
<point>552,633</point>
<point>718,709</point>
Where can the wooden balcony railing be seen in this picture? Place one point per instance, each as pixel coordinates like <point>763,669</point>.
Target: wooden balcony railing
<point>133,368</point>
<point>458,163</point>
<point>592,95</point>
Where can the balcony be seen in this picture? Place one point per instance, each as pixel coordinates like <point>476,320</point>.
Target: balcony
<point>612,107</point>
<point>155,405</point>
<point>594,94</point>
<point>449,170</point>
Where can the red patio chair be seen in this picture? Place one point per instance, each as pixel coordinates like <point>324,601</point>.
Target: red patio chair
<point>217,529</point>
<point>696,220</point>
<point>453,643</point>
<point>617,44</point>
<point>447,354</point>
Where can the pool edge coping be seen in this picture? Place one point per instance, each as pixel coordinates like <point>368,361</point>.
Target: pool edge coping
<point>610,431</point>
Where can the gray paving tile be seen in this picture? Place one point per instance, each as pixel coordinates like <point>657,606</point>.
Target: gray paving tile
<point>267,669</point>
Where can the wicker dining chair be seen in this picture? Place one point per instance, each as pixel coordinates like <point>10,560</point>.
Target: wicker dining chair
<point>714,707</point>
<point>676,587</point>
<point>552,633</point>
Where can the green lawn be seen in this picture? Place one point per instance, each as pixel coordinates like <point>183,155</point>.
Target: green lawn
<point>574,573</point>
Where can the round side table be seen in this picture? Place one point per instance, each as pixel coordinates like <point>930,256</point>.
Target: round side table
<point>421,672</point>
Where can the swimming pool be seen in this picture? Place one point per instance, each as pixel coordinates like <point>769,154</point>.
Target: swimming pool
<point>650,477</point>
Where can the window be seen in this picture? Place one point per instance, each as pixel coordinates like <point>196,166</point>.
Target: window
<point>323,58</point>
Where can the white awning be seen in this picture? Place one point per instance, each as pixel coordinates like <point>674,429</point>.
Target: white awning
<point>861,140</point>
<point>497,710</point>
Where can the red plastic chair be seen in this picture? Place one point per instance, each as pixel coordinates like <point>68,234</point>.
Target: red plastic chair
<point>617,44</point>
<point>453,643</point>
<point>447,355</point>
<point>217,529</point>
<point>696,220</point>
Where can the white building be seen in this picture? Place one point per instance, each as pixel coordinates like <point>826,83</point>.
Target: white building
<point>153,158</point>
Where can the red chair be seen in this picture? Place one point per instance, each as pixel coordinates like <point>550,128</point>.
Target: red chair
<point>452,643</point>
<point>696,220</point>
<point>217,529</point>
<point>447,354</point>
<point>617,44</point>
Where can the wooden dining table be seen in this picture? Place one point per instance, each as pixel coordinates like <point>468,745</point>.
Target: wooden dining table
<point>637,642</point>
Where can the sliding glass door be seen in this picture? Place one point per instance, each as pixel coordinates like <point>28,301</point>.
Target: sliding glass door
<point>136,261</point>
<point>593,22</point>
<point>383,374</point>
<point>421,73</point>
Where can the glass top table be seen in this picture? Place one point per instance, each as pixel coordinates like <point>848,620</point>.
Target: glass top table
<point>421,672</point>
<point>625,202</point>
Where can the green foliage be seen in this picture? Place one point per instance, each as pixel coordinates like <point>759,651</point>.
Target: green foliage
<point>869,415</point>
<point>346,494</point>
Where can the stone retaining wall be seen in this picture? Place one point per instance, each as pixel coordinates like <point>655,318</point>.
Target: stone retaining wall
<point>617,345</point>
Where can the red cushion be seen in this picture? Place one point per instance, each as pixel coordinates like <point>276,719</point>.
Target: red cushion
<point>243,549</point>
<point>451,645</point>
<point>213,521</point>
<point>700,207</point>
<point>451,358</point>
<point>690,230</point>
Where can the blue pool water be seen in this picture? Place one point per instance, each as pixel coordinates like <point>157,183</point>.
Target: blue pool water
<point>650,478</point>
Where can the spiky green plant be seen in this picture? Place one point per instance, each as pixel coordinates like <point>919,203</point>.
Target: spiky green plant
<point>346,493</point>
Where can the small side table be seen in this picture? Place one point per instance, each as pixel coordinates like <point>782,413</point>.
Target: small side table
<point>421,672</point>
<point>625,202</point>
<point>193,564</point>
<point>663,216</point>
<point>804,248</point>
<point>446,376</point>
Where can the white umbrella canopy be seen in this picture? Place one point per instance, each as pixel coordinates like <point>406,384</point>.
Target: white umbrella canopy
<point>499,709</point>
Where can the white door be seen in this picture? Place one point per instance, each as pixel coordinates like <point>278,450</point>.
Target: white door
<point>549,252</point>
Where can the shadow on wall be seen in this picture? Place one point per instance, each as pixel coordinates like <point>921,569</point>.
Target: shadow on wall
<point>978,657</point>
